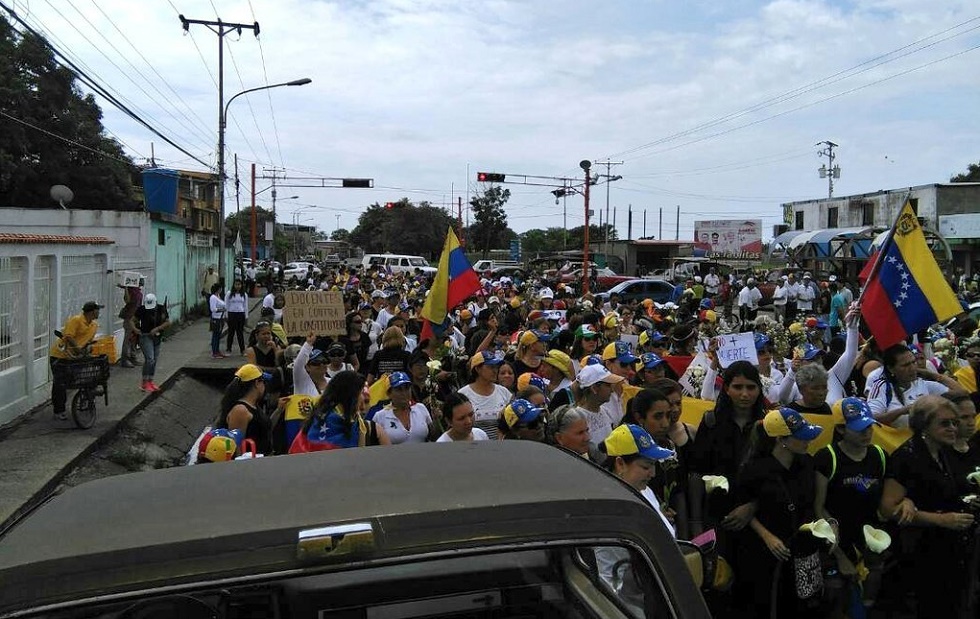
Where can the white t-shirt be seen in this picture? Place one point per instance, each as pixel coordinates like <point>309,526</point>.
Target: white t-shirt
<point>477,435</point>
<point>882,397</point>
<point>419,421</point>
<point>268,300</point>
<point>384,316</point>
<point>613,410</point>
<point>711,283</point>
<point>486,408</point>
<point>599,425</point>
<point>749,297</point>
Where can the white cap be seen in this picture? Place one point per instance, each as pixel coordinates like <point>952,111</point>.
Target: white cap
<point>493,300</point>
<point>150,301</point>
<point>697,279</point>
<point>592,374</point>
<point>832,278</point>
<point>377,294</point>
<point>546,293</point>
<point>807,274</point>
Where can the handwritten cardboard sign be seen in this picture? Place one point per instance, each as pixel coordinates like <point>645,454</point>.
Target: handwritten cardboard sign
<point>736,347</point>
<point>319,311</point>
<point>128,279</point>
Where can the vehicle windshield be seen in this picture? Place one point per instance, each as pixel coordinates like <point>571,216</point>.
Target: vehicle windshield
<point>576,582</point>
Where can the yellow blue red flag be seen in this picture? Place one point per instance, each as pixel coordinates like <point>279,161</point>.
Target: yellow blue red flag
<point>455,281</point>
<point>907,292</point>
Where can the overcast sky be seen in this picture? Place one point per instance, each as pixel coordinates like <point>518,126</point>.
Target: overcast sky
<point>712,105</point>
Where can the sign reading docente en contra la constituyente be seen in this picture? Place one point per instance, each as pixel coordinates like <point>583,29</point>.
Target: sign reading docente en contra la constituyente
<point>321,312</point>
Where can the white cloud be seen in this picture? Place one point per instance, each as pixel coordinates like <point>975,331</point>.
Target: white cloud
<point>410,92</point>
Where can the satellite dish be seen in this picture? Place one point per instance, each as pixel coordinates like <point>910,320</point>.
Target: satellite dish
<point>62,195</point>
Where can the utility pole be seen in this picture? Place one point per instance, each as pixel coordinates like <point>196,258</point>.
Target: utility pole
<point>829,171</point>
<point>660,231</point>
<point>221,28</point>
<point>254,222</point>
<point>609,178</point>
<point>677,229</point>
<point>585,164</point>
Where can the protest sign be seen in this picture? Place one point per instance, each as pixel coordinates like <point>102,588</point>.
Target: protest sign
<point>736,347</point>
<point>319,311</point>
<point>694,375</point>
<point>633,341</point>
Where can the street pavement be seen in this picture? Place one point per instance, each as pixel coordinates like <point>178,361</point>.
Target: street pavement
<point>37,451</point>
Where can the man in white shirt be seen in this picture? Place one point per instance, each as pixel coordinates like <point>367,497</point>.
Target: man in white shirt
<point>748,301</point>
<point>804,300</point>
<point>712,283</point>
<point>390,310</point>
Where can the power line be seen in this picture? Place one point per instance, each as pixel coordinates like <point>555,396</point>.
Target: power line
<point>813,103</point>
<point>799,91</point>
<point>68,140</point>
<point>118,68</point>
<point>83,77</point>
<point>268,94</point>
<point>204,126</point>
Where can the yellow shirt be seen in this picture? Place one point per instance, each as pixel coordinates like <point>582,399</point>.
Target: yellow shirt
<point>80,330</point>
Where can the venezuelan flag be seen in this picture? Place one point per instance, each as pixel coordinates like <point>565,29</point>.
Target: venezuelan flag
<point>455,281</point>
<point>908,292</point>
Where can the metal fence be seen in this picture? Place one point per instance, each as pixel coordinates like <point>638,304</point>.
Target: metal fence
<point>43,274</point>
<point>83,278</point>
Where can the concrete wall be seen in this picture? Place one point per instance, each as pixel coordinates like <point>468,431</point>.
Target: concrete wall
<point>169,249</point>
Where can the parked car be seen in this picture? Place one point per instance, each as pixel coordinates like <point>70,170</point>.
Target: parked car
<point>299,269</point>
<point>605,278</point>
<point>187,542</point>
<point>398,263</point>
<point>639,289</point>
<point>484,267</point>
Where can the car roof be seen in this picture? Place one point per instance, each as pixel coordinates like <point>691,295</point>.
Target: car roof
<point>121,532</point>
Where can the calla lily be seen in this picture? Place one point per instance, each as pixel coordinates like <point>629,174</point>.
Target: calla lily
<point>714,482</point>
<point>974,477</point>
<point>822,529</point>
<point>876,540</point>
<point>434,366</point>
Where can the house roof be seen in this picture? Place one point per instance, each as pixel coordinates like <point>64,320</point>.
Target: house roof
<point>12,238</point>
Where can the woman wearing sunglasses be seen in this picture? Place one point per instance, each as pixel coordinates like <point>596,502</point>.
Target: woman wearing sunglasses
<point>968,376</point>
<point>309,369</point>
<point>922,494</point>
<point>523,421</point>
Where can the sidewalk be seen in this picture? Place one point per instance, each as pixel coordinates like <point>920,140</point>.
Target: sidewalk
<point>38,451</point>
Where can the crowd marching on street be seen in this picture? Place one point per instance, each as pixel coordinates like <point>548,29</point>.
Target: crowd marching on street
<point>839,478</point>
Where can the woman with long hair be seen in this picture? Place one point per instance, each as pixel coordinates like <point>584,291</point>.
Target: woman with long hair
<point>310,369</point>
<point>391,357</point>
<point>236,303</point>
<point>262,350</point>
<point>586,342</point>
<point>336,421</point>
<point>506,377</point>
<point>242,407</point>
<point>216,306</point>
<point>721,442</point>
<point>531,348</point>
<point>355,341</point>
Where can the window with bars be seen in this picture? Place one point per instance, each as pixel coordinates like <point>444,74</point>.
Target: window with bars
<point>13,290</point>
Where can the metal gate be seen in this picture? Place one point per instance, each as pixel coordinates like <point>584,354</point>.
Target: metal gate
<point>13,291</point>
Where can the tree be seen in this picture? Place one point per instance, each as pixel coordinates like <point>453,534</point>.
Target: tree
<point>972,175</point>
<point>72,150</point>
<point>406,228</point>
<point>554,239</point>
<point>341,235</point>
<point>489,231</point>
<point>242,222</point>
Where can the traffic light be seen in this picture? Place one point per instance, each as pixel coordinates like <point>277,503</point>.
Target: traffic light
<point>390,205</point>
<point>357,183</point>
<point>489,177</point>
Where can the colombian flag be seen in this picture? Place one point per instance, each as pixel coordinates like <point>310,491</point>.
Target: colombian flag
<point>908,292</point>
<point>455,281</point>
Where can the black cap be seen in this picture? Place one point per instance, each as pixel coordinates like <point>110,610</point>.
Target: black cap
<point>91,306</point>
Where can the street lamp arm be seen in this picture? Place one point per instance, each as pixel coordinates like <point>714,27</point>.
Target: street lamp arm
<point>300,82</point>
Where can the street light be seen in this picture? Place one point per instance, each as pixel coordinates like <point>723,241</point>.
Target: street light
<point>222,123</point>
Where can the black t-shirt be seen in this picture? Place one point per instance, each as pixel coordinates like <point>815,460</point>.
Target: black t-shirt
<point>357,349</point>
<point>388,360</point>
<point>928,483</point>
<point>522,368</point>
<point>853,491</point>
<point>147,320</point>
<point>965,463</point>
<point>784,496</point>
<point>820,409</point>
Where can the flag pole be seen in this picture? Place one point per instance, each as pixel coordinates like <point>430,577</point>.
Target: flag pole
<point>883,250</point>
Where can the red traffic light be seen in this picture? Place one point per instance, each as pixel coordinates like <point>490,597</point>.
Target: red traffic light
<point>389,205</point>
<point>489,177</point>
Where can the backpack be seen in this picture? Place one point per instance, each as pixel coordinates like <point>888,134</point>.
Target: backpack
<point>833,460</point>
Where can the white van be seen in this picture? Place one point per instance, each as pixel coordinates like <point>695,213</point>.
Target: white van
<point>397,263</point>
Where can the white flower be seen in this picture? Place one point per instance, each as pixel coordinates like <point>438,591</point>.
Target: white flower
<point>434,366</point>
<point>822,529</point>
<point>876,540</point>
<point>714,482</point>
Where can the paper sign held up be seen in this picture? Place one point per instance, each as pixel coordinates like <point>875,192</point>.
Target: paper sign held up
<point>128,279</point>
<point>319,311</point>
<point>736,347</point>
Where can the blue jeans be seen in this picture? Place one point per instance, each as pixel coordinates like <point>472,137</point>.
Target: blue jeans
<point>216,326</point>
<point>151,352</point>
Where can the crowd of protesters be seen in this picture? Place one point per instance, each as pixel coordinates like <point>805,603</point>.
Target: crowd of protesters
<point>853,528</point>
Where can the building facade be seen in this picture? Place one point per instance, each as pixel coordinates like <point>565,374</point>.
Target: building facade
<point>952,210</point>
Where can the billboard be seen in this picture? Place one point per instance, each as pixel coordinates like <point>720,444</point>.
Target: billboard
<point>728,239</point>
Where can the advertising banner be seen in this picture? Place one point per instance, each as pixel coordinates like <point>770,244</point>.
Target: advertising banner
<point>731,239</point>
